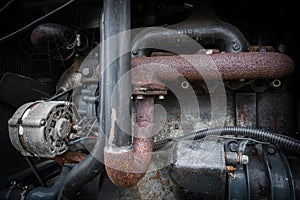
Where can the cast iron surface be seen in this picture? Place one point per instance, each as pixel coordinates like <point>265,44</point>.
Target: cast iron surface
<point>231,66</point>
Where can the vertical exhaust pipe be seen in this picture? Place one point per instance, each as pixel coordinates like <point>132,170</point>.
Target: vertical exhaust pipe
<point>126,156</point>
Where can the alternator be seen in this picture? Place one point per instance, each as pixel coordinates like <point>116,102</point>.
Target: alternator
<point>42,128</point>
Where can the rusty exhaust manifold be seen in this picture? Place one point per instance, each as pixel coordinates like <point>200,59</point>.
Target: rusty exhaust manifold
<point>231,66</point>
<point>126,166</point>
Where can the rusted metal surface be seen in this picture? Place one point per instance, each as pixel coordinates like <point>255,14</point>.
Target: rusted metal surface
<point>69,157</point>
<point>261,49</point>
<point>245,110</point>
<point>127,166</point>
<point>231,66</point>
<point>157,185</point>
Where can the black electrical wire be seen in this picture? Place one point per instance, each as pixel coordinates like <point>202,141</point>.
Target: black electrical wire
<point>6,5</point>
<point>35,22</point>
<point>280,140</point>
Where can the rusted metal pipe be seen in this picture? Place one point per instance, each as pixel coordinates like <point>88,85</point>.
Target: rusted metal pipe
<point>125,167</point>
<point>57,39</point>
<point>231,66</point>
<point>203,26</point>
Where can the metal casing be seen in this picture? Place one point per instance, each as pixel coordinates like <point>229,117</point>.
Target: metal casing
<point>42,128</point>
<point>199,169</point>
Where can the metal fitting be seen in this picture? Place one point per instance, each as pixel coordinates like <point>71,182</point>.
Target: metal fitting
<point>87,72</point>
<point>185,84</point>
<point>134,52</point>
<point>236,47</point>
<point>276,83</point>
<point>230,168</point>
<point>244,159</point>
<point>161,97</point>
<point>43,122</point>
<point>140,97</point>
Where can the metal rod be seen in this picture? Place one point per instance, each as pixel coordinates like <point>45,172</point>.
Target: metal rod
<point>116,19</point>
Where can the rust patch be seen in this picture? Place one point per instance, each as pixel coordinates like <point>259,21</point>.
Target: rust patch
<point>69,157</point>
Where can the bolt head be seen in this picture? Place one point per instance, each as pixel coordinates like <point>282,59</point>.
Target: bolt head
<point>233,147</point>
<point>185,84</point>
<point>245,159</point>
<point>135,52</point>
<point>271,150</point>
<point>140,97</point>
<point>43,122</point>
<point>161,97</point>
<point>236,47</point>
<point>87,72</point>
<point>209,52</point>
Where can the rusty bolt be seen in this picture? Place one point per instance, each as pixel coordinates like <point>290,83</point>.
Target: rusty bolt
<point>230,169</point>
<point>75,128</point>
<point>262,49</point>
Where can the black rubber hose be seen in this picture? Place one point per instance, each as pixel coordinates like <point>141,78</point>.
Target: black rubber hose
<point>38,193</point>
<point>84,172</point>
<point>280,140</point>
<point>49,193</point>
